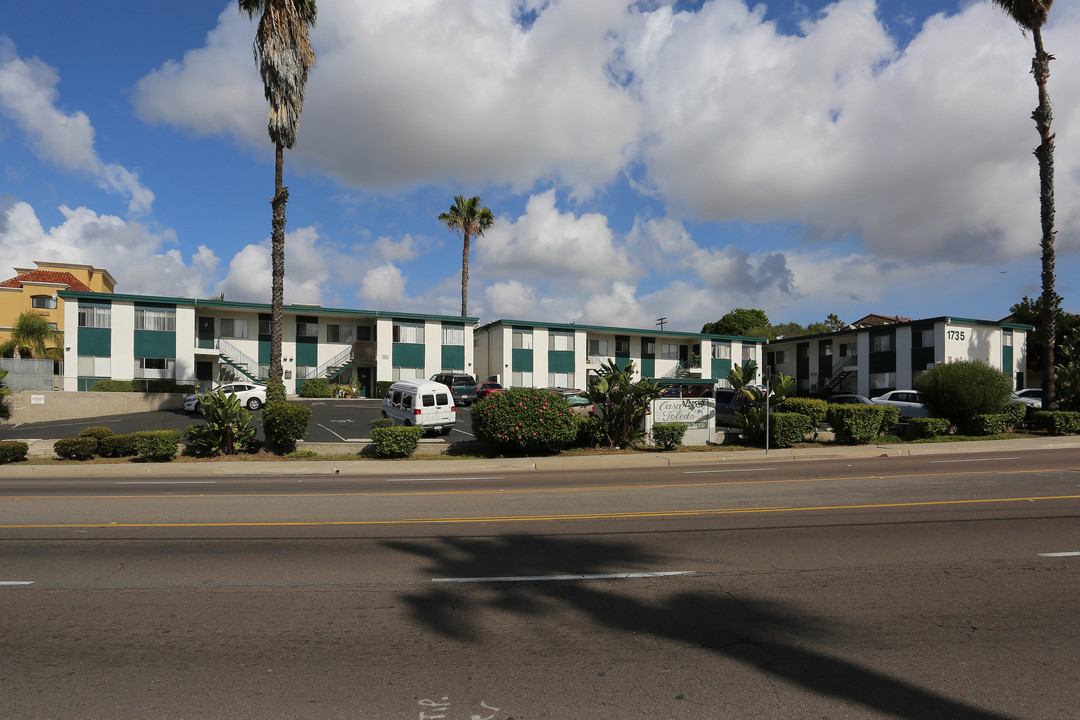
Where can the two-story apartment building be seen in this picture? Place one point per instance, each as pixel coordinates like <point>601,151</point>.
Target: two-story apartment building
<point>188,340</point>
<point>38,290</point>
<point>872,360</point>
<point>524,353</point>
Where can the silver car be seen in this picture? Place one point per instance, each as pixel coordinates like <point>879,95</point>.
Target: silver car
<point>907,400</point>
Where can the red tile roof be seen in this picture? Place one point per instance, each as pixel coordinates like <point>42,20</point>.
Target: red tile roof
<point>47,276</point>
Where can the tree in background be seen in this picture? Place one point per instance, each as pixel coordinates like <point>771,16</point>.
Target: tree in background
<point>834,323</point>
<point>741,322</point>
<point>1031,16</point>
<point>283,51</point>
<point>1030,312</point>
<point>5,411</point>
<point>34,337</point>
<point>468,218</point>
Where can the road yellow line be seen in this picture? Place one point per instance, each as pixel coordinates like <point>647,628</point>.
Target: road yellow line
<point>538,518</point>
<point>525,491</point>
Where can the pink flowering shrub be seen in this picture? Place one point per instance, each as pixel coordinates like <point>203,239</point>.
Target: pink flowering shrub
<point>524,421</point>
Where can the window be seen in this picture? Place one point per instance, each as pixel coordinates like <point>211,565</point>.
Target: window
<point>90,366</point>
<point>598,347</point>
<point>721,351</point>
<point>747,352</point>
<point>522,339</point>
<point>95,316</point>
<point>561,341</point>
<point>411,333</point>
<point>231,328</point>
<point>622,346</point>
<point>648,347</point>
<point>404,373</point>
<point>881,343</point>
<point>882,381</point>
<point>157,319</point>
<point>453,335</point>
<point>339,333</point>
<point>363,332</point>
<point>264,324</point>
<point>521,379</point>
<point>779,357</point>
<point>307,328</point>
<point>669,351</point>
<point>565,380</point>
<point>1006,338</point>
<point>923,338</point>
<point>45,302</point>
<point>155,368</point>
<point>802,351</point>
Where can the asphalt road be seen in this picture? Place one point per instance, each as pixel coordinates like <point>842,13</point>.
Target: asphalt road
<point>332,420</point>
<point>902,587</point>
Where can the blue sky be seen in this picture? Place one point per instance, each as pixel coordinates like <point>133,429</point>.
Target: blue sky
<point>642,159</point>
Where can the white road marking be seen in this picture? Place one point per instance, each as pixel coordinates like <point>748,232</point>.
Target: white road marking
<point>702,472</point>
<point>1060,554</point>
<point>435,479</point>
<point>559,578</point>
<point>332,433</point>
<point>973,460</point>
<point>16,582</point>
<point>166,482</point>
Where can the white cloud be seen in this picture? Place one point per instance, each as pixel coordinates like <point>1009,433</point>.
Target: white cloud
<point>307,269</point>
<point>383,286</point>
<point>28,96</point>
<point>396,250</point>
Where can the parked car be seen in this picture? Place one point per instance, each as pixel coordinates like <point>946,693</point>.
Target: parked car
<point>1032,397</point>
<point>727,404</point>
<point>251,395</point>
<point>907,400</point>
<point>849,399</point>
<point>487,388</point>
<point>581,405</point>
<point>423,403</point>
<point>462,385</point>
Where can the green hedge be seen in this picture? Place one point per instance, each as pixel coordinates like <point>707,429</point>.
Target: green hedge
<point>77,448</point>
<point>143,386</point>
<point>97,432</point>
<point>399,441</point>
<point>668,435</point>
<point>157,445</point>
<point>524,421</point>
<point>856,424</point>
<point>788,428</point>
<point>285,424</point>
<point>381,387</point>
<point>1017,412</point>
<point>13,451</point>
<point>589,432</point>
<point>316,388</point>
<point>890,416</point>
<point>117,446</point>
<point>988,424</point>
<point>929,427</point>
<point>1058,422</point>
<point>813,408</point>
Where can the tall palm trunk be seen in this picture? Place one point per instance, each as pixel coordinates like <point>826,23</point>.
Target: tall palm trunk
<point>277,261</point>
<point>465,276</point>
<point>1043,117</point>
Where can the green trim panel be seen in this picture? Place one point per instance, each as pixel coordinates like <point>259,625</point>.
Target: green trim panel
<point>561,361</point>
<point>453,357</point>
<point>521,360</point>
<point>95,341</point>
<point>410,355</point>
<point>155,344</point>
<point>648,367</point>
<point>307,353</point>
<point>721,367</point>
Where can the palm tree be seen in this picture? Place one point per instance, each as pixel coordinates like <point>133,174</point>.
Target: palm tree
<point>283,51</point>
<point>35,337</point>
<point>468,219</point>
<point>1031,15</point>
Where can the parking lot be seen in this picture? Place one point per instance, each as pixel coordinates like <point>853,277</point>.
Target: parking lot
<point>332,420</point>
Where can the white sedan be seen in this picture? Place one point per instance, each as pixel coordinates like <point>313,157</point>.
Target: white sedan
<point>252,396</point>
<point>907,400</point>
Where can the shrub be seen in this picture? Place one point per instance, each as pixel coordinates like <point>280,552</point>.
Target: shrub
<point>157,445</point>
<point>302,455</point>
<point>381,387</point>
<point>97,432</point>
<point>929,427</point>
<point>524,421</point>
<point>112,386</point>
<point>382,422</point>
<point>1017,412</point>
<point>13,451</point>
<point>890,416</point>
<point>963,389</point>
<point>396,442</point>
<point>590,432</point>
<point>1058,422</point>
<point>117,446</point>
<point>77,448</point>
<point>987,424</point>
<point>284,425</point>
<point>668,435</point>
<point>788,428</point>
<point>316,388</point>
<point>856,424</point>
<point>228,429</point>
<point>5,411</point>
<point>813,408</point>
<point>621,403</point>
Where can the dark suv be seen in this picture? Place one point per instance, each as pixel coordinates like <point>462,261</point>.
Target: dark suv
<point>461,385</point>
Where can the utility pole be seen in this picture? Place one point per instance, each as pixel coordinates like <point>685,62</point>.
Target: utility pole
<point>661,322</point>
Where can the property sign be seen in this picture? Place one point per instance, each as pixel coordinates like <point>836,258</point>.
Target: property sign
<point>37,399</point>
<point>698,414</point>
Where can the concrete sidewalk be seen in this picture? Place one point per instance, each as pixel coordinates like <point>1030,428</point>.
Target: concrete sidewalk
<point>423,468</point>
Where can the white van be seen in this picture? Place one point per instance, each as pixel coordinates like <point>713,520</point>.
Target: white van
<point>424,403</point>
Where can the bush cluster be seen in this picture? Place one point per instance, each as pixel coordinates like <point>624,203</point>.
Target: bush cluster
<point>157,445</point>
<point>147,386</point>
<point>929,427</point>
<point>524,421</point>
<point>76,448</point>
<point>589,432</point>
<point>117,446</point>
<point>857,424</point>
<point>316,388</point>
<point>1058,422</point>
<point>813,408</point>
<point>668,435</point>
<point>396,441</point>
<point>788,428</point>
<point>1017,412</point>
<point>285,424</point>
<point>227,430</point>
<point>963,389</point>
<point>988,424</point>
<point>13,451</point>
<point>381,387</point>
<point>890,416</point>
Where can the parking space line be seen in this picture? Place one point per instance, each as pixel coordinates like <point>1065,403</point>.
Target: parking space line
<point>563,578</point>
<point>733,470</point>
<point>1060,554</point>
<point>16,582</point>
<point>969,460</point>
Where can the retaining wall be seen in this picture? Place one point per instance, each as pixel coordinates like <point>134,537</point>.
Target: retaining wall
<point>29,406</point>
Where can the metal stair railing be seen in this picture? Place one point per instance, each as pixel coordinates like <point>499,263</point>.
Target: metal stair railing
<point>331,367</point>
<point>841,369</point>
<point>236,357</point>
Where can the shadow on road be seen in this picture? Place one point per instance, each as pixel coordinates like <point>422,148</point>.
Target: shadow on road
<point>762,634</point>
